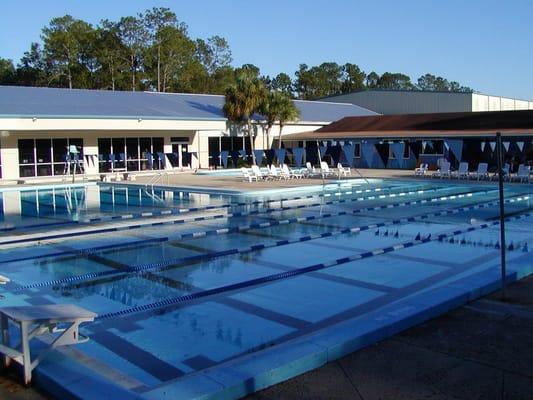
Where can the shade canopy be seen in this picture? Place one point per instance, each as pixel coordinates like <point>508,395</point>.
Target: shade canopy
<point>462,124</point>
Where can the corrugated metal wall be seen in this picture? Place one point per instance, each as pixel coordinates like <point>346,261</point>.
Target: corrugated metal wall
<point>413,102</point>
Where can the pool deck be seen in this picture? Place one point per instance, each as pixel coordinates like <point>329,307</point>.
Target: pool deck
<point>236,183</point>
<point>483,350</point>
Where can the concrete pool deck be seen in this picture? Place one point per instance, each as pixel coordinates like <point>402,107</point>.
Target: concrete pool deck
<point>482,350</point>
<point>235,184</point>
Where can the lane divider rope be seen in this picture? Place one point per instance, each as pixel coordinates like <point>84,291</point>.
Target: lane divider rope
<point>166,264</point>
<point>180,211</point>
<point>219,231</point>
<point>170,302</point>
<point>218,216</point>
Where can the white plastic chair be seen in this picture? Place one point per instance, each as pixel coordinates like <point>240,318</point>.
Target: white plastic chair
<point>324,169</point>
<point>482,172</point>
<point>421,170</point>
<point>443,172</point>
<point>311,171</point>
<point>247,176</point>
<point>522,175</point>
<point>344,171</point>
<point>462,172</point>
<point>275,174</point>
<point>505,169</point>
<point>256,171</point>
<point>290,173</point>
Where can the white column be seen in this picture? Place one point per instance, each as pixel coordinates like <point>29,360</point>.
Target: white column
<point>90,148</point>
<point>10,156</point>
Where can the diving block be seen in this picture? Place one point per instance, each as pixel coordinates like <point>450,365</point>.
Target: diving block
<point>60,320</point>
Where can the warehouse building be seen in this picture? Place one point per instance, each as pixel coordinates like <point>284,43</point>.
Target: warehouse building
<point>393,102</point>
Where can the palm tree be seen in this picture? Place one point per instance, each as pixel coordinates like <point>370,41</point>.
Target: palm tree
<point>278,107</point>
<point>243,100</point>
<point>270,110</point>
<point>287,112</point>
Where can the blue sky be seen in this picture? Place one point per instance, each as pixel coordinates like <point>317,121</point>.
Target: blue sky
<point>484,44</point>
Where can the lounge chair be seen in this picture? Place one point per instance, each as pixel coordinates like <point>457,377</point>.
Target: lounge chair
<point>443,172</point>
<point>310,170</point>
<point>462,172</point>
<point>248,176</point>
<point>344,171</point>
<point>256,171</point>
<point>522,175</point>
<point>273,173</point>
<point>324,170</point>
<point>421,170</point>
<point>506,168</point>
<point>482,172</point>
<point>290,173</point>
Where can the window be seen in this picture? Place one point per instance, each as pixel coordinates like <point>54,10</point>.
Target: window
<point>46,157</point>
<point>119,152</point>
<point>104,152</point>
<point>214,148</point>
<point>357,150</point>
<point>145,151</point>
<point>132,153</point>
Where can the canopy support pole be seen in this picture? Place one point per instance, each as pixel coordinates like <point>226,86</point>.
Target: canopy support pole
<point>499,156</point>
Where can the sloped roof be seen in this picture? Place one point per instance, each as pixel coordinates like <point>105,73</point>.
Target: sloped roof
<point>17,101</point>
<point>431,124</point>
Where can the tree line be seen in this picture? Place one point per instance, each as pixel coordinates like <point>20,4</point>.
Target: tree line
<point>154,51</point>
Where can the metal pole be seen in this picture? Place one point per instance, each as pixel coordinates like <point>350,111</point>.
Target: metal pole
<point>319,160</point>
<point>499,155</point>
<point>73,168</point>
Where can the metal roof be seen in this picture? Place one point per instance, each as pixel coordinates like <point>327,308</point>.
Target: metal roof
<point>432,124</point>
<point>18,101</point>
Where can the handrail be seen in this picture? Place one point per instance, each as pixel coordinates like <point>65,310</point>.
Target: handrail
<point>158,177</point>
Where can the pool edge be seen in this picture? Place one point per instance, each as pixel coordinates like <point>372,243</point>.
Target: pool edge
<point>65,378</point>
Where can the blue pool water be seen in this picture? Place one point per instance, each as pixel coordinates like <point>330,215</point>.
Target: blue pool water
<point>184,281</point>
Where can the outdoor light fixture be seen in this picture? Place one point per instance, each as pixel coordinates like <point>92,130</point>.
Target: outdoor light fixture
<point>139,120</point>
<point>34,119</point>
<point>4,133</point>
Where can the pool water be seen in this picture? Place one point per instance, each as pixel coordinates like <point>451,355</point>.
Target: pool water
<point>222,276</point>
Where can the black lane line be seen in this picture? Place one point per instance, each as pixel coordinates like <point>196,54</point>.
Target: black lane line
<point>142,359</point>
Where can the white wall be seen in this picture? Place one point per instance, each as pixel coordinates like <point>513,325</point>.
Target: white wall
<point>482,102</point>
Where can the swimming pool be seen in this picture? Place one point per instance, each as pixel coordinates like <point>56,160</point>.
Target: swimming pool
<point>196,292</point>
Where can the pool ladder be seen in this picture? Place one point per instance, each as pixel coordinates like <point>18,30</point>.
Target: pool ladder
<point>157,178</point>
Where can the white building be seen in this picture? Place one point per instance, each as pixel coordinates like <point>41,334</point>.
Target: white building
<point>421,102</point>
<point>130,131</point>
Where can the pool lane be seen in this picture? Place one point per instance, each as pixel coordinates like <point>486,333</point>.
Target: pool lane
<point>233,221</point>
<point>169,254</point>
<point>225,326</point>
<point>130,221</point>
<point>161,344</point>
